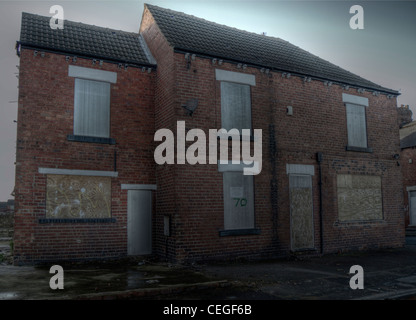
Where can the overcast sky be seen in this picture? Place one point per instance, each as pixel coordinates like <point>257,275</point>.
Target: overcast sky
<point>383,52</point>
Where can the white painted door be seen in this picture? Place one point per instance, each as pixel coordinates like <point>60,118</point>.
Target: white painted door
<point>139,222</point>
<point>412,210</point>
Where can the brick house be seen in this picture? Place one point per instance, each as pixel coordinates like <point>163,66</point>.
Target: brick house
<point>88,186</point>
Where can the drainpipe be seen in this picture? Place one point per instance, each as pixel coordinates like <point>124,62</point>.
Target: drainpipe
<point>319,159</point>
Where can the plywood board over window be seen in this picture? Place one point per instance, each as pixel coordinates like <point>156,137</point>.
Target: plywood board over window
<point>301,211</point>
<point>359,197</point>
<point>79,197</point>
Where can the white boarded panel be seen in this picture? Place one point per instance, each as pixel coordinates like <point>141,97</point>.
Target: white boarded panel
<point>139,222</point>
<point>235,106</point>
<point>238,201</point>
<point>92,108</point>
<point>357,132</point>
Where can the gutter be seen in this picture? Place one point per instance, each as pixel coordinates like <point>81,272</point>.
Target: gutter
<point>294,73</point>
<point>20,45</point>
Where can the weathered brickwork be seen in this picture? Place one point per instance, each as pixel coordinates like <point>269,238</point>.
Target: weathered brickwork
<point>191,196</point>
<point>45,118</point>
<point>318,124</point>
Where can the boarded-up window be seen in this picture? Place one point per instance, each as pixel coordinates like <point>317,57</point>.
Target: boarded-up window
<point>92,108</point>
<point>359,197</point>
<point>78,197</point>
<point>238,201</point>
<point>356,123</point>
<point>235,106</point>
<point>301,212</point>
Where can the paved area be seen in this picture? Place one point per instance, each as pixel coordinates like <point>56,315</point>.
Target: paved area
<point>388,274</point>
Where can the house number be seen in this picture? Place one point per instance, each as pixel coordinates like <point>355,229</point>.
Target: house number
<point>240,201</point>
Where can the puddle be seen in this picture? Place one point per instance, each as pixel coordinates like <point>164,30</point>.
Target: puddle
<point>8,295</point>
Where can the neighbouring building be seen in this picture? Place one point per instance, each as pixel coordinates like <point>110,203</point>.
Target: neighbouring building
<point>7,207</point>
<point>91,100</point>
<point>407,158</point>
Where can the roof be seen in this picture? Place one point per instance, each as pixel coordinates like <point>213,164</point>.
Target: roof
<point>408,141</point>
<point>192,34</point>
<point>84,40</point>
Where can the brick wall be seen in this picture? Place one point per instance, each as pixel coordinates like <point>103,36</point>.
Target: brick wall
<point>45,118</point>
<point>192,195</point>
<point>318,124</point>
<point>408,162</point>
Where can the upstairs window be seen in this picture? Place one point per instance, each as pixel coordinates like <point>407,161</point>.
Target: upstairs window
<point>235,99</point>
<point>91,102</point>
<point>357,128</point>
<point>356,122</point>
<point>92,108</point>
<point>235,106</point>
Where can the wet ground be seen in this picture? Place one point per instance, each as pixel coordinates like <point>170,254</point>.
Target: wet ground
<point>388,274</point>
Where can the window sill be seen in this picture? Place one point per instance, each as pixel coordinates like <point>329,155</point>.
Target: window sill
<point>66,220</point>
<point>239,232</point>
<point>359,149</point>
<point>71,137</point>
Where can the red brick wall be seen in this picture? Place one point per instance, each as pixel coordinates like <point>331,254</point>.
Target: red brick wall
<point>318,125</point>
<point>192,195</point>
<point>45,118</point>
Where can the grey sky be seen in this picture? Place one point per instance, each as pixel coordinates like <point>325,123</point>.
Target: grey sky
<point>383,52</point>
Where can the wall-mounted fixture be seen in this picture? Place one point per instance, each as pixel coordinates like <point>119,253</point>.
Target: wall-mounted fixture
<point>289,110</point>
<point>190,106</point>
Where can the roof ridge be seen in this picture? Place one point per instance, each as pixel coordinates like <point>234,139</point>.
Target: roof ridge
<point>198,35</point>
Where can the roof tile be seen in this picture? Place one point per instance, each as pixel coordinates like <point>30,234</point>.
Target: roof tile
<point>82,39</point>
<point>189,33</point>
